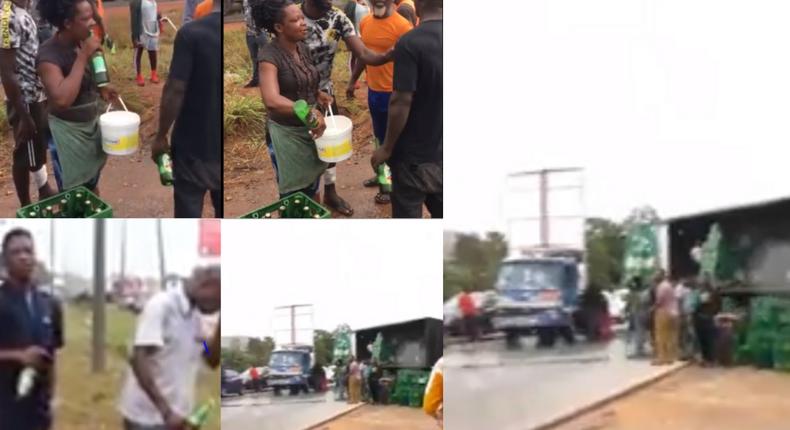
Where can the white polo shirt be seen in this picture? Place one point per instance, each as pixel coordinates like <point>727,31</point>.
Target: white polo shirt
<point>169,323</point>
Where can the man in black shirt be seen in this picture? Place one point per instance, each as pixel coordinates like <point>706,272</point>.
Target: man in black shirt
<point>31,330</point>
<point>192,97</point>
<point>413,144</point>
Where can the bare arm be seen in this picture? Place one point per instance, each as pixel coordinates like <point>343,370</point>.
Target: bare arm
<point>62,90</point>
<point>400,106</point>
<point>172,100</point>
<point>355,74</point>
<point>270,91</point>
<point>141,363</point>
<point>367,56</point>
<point>10,83</point>
<point>212,358</point>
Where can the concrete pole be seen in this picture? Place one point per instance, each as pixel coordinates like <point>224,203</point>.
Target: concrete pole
<point>98,358</point>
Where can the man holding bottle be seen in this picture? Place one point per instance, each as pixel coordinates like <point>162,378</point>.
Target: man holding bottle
<point>168,350</point>
<point>31,330</point>
<point>380,31</point>
<point>192,99</point>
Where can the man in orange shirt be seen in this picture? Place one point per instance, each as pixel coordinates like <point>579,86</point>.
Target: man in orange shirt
<point>380,32</point>
<point>468,313</point>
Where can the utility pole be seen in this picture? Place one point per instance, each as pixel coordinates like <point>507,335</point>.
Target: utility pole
<point>98,362</point>
<point>123,251</point>
<point>52,255</point>
<point>162,284</point>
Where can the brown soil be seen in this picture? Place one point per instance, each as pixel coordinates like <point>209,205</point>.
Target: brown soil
<point>699,399</point>
<point>382,418</point>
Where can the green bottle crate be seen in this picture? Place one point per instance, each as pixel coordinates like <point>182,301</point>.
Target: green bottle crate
<point>292,208</point>
<point>68,204</point>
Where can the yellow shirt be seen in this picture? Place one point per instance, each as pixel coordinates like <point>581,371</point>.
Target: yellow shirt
<point>433,402</point>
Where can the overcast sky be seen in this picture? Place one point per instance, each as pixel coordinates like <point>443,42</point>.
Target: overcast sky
<point>74,244</point>
<point>681,105</point>
<point>359,272</point>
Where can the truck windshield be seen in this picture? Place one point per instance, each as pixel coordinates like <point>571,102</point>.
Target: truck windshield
<point>285,359</point>
<point>530,275</point>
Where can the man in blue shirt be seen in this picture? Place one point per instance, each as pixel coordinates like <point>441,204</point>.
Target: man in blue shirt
<point>31,330</point>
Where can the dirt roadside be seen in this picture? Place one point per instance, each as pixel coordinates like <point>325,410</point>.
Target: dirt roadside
<point>382,418</point>
<point>699,399</point>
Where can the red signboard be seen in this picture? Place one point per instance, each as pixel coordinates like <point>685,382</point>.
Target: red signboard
<point>209,245</point>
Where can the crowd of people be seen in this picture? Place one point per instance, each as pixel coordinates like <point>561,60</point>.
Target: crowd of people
<point>398,44</point>
<point>364,381</point>
<point>53,86</point>
<point>359,381</point>
<point>679,319</point>
<point>159,389</point>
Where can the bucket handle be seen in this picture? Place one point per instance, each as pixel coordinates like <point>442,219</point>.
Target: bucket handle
<point>109,105</point>
<point>332,114</point>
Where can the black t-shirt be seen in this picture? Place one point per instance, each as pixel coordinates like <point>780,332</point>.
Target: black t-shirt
<point>55,52</point>
<point>197,135</point>
<point>34,319</point>
<point>298,81</point>
<point>418,69</point>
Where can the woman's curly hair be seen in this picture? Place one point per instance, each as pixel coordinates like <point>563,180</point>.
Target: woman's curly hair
<point>267,13</point>
<point>56,12</point>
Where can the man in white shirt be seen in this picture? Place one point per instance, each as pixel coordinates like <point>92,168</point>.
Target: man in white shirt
<point>168,349</point>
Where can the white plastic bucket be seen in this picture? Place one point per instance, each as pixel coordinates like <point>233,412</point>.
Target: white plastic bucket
<point>120,132</point>
<point>335,144</point>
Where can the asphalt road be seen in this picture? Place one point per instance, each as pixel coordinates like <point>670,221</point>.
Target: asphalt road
<point>264,410</point>
<point>487,386</point>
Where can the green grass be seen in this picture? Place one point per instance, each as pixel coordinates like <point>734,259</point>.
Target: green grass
<point>121,64</point>
<point>89,401</point>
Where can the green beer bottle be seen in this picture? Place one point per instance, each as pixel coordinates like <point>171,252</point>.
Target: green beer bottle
<point>100,73</point>
<point>305,114</point>
<point>199,417</point>
<point>165,169</point>
<point>385,178</point>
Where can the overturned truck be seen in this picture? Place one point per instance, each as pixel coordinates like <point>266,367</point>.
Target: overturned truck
<point>752,253</point>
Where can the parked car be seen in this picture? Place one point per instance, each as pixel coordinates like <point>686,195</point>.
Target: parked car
<point>231,383</point>
<point>484,301</point>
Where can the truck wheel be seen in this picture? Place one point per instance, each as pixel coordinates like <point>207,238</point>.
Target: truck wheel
<point>546,337</point>
<point>294,390</point>
<point>512,340</point>
<point>277,391</point>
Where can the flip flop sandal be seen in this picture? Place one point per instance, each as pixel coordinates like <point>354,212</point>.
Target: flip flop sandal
<point>343,208</point>
<point>383,198</point>
<point>370,183</point>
